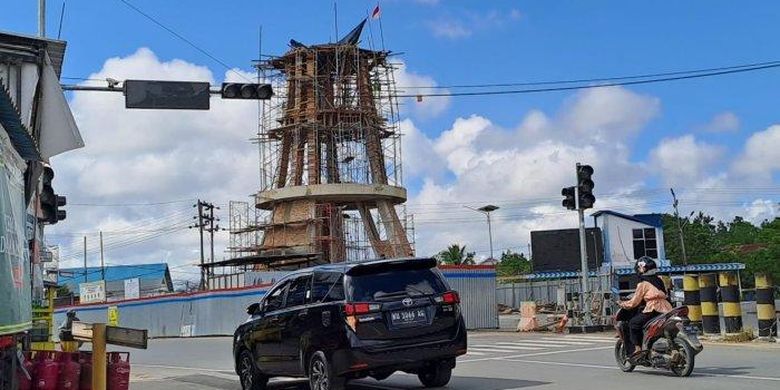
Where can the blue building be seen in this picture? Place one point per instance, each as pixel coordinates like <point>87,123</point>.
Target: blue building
<point>153,279</point>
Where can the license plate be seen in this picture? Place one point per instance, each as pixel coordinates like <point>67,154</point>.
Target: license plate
<point>405,317</point>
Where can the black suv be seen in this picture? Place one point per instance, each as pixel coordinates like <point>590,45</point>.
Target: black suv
<point>337,322</point>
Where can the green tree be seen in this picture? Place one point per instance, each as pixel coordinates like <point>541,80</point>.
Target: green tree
<point>513,264</point>
<point>455,255</point>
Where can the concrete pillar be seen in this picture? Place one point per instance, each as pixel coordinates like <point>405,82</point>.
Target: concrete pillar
<point>692,299</point>
<point>710,319</point>
<point>765,306</point>
<point>729,295</point>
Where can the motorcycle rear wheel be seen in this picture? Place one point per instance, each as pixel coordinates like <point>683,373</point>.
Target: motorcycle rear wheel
<point>621,357</point>
<point>684,367</point>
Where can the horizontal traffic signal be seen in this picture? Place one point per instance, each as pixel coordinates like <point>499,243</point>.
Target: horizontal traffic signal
<point>246,91</point>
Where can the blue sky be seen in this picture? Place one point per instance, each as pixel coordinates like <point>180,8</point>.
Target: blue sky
<point>696,134</point>
<point>546,42</point>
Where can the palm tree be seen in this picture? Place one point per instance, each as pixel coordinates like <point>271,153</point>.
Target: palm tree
<point>455,255</point>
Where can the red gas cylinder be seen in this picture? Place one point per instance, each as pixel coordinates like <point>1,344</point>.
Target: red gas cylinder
<point>118,371</point>
<point>85,382</point>
<point>70,372</point>
<point>46,371</point>
<point>25,383</point>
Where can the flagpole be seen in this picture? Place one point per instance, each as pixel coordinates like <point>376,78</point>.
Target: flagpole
<point>381,30</point>
<point>370,31</point>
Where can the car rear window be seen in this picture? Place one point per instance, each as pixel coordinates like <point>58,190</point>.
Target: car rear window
<point>393,284</point>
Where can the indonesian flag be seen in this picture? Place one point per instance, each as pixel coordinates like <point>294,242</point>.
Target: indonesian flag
<point>376,13</point>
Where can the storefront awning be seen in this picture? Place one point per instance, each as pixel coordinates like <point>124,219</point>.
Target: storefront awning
<point>20,136</point>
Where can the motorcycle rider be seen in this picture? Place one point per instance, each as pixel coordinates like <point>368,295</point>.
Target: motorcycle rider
<point>651,292</point>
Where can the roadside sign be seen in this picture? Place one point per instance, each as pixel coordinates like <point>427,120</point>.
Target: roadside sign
<point>81,331</point>
<point>127,337</point>
<point>171,95</point>
<point>132,288</point>
<point>113,316</point>
<point>92,292</point>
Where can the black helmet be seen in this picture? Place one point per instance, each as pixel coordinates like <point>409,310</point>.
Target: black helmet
<point>645,265</point>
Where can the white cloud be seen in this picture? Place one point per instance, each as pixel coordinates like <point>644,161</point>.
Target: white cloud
<point>466,23</point>
<point>450,28</point>
<point>761,156</point>
<point>761,210</point>
<point>141,156</point>
<point>522,170</point>
<point>410,83</point>
<point>683,160</point>
<point>723,122</point>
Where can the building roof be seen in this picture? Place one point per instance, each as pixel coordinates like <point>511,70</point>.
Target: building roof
<point>22,45</point>
<point>72,277</point>
<point>654,220</point>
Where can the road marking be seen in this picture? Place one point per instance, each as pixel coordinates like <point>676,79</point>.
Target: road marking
<point>184,368</point>
<point>537,354</point>
<point>491,350</point>
<point>470,352</point>
<point>603,338</point>
<point>511,346</point>
<point>592,340</point>
<point>554,340</point>
<point>541,344</point>
<point>583,365</point>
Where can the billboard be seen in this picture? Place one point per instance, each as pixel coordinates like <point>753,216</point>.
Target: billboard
<point>559,250</point>
<point>92,292</point>
<point>15,294</point>
<point>132,288</point>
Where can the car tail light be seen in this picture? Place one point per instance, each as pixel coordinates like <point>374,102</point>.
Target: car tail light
<point>450,297</point>
<point>352,309</point>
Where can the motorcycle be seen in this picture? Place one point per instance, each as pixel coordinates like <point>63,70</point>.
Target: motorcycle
<point>668,340</point>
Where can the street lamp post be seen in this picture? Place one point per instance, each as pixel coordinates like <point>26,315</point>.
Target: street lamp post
<point>487,210</point>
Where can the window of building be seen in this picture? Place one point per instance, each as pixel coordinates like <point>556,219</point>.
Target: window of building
<point>645,243</point>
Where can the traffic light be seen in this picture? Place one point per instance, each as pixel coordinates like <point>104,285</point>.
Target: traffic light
<point>247,91</point>
<point>568,201</point>
<point>51,202</point>
<point>585,184</point>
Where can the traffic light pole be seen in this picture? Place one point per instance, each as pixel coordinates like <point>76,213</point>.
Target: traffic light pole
<point>585,296</point>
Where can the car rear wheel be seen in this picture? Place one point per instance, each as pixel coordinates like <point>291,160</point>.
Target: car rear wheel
<point>436,375</point>
<point>321,375</point>
<point>251,378</point>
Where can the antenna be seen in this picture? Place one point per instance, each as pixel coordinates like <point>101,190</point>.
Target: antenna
<point>336,19</point>
<point>62,16</point>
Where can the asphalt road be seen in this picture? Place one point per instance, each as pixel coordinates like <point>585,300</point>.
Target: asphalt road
<point>496,361</point>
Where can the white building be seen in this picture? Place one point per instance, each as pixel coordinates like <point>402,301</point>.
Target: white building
<point>629,237</point>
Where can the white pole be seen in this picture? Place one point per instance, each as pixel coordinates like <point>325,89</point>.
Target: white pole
<point>42,18</point>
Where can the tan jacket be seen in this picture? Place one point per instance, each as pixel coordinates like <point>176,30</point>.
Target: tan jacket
<point>655,299</point>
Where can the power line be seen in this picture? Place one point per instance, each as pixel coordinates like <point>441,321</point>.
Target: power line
<point>131,204</point>
<point>595,80</point>
<point>182,38</point>
<point>577,87</point>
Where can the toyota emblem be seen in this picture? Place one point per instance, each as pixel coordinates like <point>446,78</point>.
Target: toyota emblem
<point>408,302</point>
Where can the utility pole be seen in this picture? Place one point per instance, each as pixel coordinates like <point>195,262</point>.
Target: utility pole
<point>102,263</point>
<point>85,259</point>
<point>42,18</point>
<point>679,228</point>
<point>205,223</point>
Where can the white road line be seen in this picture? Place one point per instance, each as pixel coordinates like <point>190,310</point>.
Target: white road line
<point>533,344</point>
<point>184,368</point>
<point>537,354</point>
<point>583,365</point>
<point>559,341</point>
<point>590,340</point>
<point>470,352</point>
<point>594,338</point>
<point>491,350</point>
<point>507,346</point>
